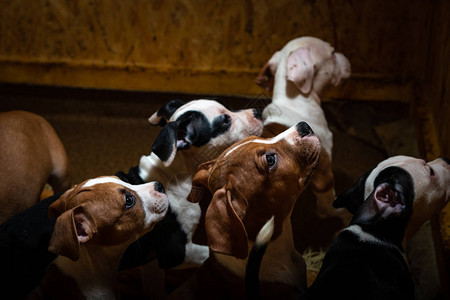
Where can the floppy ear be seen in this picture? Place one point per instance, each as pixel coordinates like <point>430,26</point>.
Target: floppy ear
<point>343,68</point>
<point>200,188</point>
<point>354,196</point>
<point>72,227</point>
<point>300,69</point>
<point>266,76</point>
<point>164,113</point>
<point>201,194</point>
<point>225,231</point>
<point>165,145</point>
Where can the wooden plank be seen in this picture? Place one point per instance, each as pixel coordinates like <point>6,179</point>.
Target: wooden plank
<point>150,45</point>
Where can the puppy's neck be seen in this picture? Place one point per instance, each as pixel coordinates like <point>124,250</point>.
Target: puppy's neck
<point>281,262</point>
<point>95,270</point>
<point>152,168</point>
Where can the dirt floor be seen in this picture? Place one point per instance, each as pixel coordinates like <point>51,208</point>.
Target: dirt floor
<point>108,131</point>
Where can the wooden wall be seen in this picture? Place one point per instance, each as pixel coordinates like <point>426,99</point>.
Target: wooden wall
<point>212,47</point>
<point>399,50</point>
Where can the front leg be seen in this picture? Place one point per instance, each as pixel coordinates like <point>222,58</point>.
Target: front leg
<point>322,183</point>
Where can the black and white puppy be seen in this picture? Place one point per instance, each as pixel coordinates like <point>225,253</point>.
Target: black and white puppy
<point>366,261</point>
<point>431,188</point>
<point>193,133</point>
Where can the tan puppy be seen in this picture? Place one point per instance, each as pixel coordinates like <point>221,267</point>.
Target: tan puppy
<point>97,221</point>
<point>299,74</point>
<point>31,154</point>
<point>250,182</point>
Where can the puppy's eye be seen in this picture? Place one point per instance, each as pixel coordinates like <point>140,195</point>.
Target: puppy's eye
<point>272,160</point>
<point>129,201</point>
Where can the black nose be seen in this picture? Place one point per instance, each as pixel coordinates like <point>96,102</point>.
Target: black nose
<point>303,129</point>
<point>446,160</point>
<point>159,187</point>
<point>257,114</point>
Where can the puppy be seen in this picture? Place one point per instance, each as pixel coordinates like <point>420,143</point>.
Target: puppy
<point>96,221</point>
<point>366,261</point>
<point>31,154</point>
<point>431,188</point>
<point>250,182</point>
<point>24,238</point>
<point>192,133</point>
<point>298,75</point>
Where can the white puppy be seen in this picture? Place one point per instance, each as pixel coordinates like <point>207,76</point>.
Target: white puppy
<point>299,74</point>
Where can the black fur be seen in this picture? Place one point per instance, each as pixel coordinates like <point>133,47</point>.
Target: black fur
<point>166,142</point>
<point>354,196</point>
<point>366,269</point>
<point>191,129</point>
<point>167,111</point>
<point>166,242</point>
<point>255,257</point>
<point>355,269</point>
<point>24,255</point>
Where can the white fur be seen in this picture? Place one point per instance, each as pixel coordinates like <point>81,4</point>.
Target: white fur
<point>266,232</point>
<point>152,206</point>
<point>284,135</point>
<point>177,177</point>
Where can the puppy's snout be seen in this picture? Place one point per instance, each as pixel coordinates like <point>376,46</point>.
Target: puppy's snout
<point>446,160</point>
<point>159,187</point>
<point>303,129</point>
<point>257,114</point>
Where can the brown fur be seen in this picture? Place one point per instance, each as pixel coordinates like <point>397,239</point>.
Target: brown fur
<point>245,194</point>
<point>31,154</point>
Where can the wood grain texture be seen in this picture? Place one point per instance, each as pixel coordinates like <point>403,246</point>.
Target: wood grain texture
<point>214,47</point>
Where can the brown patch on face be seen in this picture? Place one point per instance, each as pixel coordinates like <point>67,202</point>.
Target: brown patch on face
<point>105,205</point>
<point>250,182</point>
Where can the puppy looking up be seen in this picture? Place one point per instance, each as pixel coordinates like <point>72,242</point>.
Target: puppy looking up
<point>31,154</point>
<point>96,221</point>
<point>245,186</point>
<point>366,261</point>
<point>299,74</point>
<point>192,133</point>
<point>431,188</point>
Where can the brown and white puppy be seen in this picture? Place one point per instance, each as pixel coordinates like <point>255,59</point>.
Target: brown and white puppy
<point>250,182</point>
<point>298,75</point>
<point>96,221</point>
<point>193,133</point>
<point>31,154</point>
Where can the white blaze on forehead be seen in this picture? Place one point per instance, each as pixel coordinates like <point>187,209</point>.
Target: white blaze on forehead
<point>143,193</point>
<point>210,108</point>
<point>276,139</point>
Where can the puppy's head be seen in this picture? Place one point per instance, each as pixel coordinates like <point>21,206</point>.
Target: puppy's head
<point>252,181</point>
<point>431,186</point>
<point>387,209</point>
<point>204,124</point>
<point>308,62</point>
<point>105,211</point>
